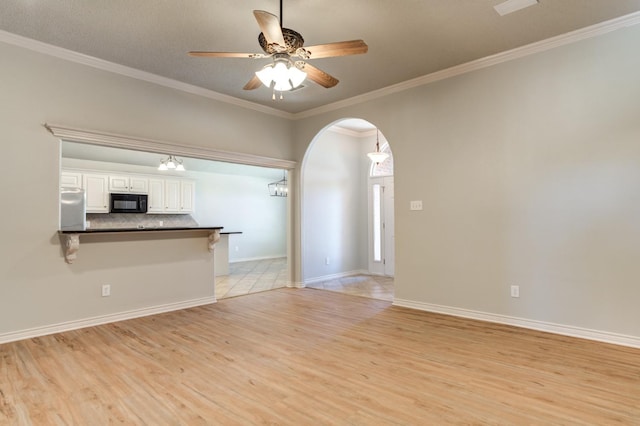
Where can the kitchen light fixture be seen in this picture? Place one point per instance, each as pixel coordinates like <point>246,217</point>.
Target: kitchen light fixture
<point>378,156</point>
<point>283,75</point>
<point>279,188</point>
<point>511,6</point>
<point>171,163</point>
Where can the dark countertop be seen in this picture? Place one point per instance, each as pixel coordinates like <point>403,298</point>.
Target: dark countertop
<point>124,230</point>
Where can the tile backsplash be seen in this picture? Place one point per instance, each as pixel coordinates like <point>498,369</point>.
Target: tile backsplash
<point>138,220</point>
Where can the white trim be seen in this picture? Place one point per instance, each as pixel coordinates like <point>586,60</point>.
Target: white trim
<point>128,142</point>
<point>353,133</point>
<point>79,58</point>
<point>104,319</point>
<point>519,52</point>
<point>296,284</point>
<point>251,259</point>
<point>565,330</point>
<point>335,276</point>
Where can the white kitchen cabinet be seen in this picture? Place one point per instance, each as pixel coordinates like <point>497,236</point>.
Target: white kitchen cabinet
<point>172,195</point>
<point>155,202</point>
<point>71,179</point>
<point>187,196</point>
<point>138,185</point>
<point>134,184</point>
<point>96,187</point>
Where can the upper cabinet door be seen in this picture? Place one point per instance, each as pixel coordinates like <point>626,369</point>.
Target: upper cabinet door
<point>71,179</point>
<point>96,189</point>
<point>118,183</point>
<point>139,185</point>
<point>156,196</point>
<point>135,184</point>
<point>172,196</point>
<point>188,193</point>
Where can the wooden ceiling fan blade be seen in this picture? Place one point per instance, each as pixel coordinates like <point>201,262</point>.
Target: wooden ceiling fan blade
<point>270,27</point>
<point>341,48</point>
<point>318,76</point>
<point>226,54</point>
<point>253,84</point>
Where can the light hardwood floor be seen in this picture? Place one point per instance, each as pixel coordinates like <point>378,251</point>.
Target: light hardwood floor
<point>308,357</point>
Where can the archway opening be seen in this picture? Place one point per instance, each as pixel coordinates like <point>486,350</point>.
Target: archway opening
<point>347,212</point>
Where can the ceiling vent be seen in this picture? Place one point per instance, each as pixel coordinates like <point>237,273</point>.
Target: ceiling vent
<point>511,6</point>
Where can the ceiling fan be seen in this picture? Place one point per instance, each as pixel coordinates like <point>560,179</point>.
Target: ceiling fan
<point>283,44</point>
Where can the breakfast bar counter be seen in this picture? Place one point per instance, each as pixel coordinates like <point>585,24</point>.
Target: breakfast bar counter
<point>71,239</point>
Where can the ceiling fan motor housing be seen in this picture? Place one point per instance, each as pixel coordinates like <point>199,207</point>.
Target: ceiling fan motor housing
<point>292,39</point>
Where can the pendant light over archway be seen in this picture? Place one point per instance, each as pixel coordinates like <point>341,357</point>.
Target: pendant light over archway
<point>378,156</point>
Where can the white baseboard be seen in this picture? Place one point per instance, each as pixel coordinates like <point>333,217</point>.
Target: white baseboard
<point>251,259</point>
<point>297,284</point>
<point>565,330</point>
<point>104,319</point>
<point>335,276</point>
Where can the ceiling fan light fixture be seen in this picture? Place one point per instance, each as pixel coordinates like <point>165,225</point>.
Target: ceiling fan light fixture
<point>297,76</point>
<point>266,75</point>
<point>282,75</point>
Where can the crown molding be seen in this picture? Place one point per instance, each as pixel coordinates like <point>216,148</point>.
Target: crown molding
<point>349,132</point>
<point>519,52</point>
<point>79,58</point>
<point>530,49</point>
<point>167,148</point>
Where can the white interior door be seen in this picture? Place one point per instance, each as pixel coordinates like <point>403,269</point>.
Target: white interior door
<point>381,226</point>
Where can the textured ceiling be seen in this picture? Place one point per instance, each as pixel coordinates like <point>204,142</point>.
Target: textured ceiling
<point>407,39</point>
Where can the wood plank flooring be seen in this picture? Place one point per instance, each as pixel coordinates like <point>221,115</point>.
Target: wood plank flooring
<point>309,357</point>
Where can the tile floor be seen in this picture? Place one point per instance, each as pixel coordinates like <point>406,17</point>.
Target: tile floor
<point>252,277</point>
<point>261,275</point>
<point>373,286</point>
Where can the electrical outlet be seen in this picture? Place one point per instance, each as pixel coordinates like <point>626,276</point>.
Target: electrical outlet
<point>326,260</point>
<point>515,291</point>
<point>415,205</point>
<point>88,224</point>
<point>106,290</point>
<point>161,223</point>
<point>237,248</point>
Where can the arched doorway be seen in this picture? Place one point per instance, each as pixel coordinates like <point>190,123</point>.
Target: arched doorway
<point>336,211</point>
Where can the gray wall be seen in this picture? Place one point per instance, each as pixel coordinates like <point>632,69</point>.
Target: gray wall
<point>335,209</point>
<point>243,203</point>
<point>530,175</point>
<point>528,171</point>
<point>37,288</point>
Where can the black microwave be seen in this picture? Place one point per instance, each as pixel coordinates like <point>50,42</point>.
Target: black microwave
<point>128,203</point>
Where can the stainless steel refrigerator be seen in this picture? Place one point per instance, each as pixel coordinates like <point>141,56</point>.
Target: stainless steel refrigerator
<point>72,209</point>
